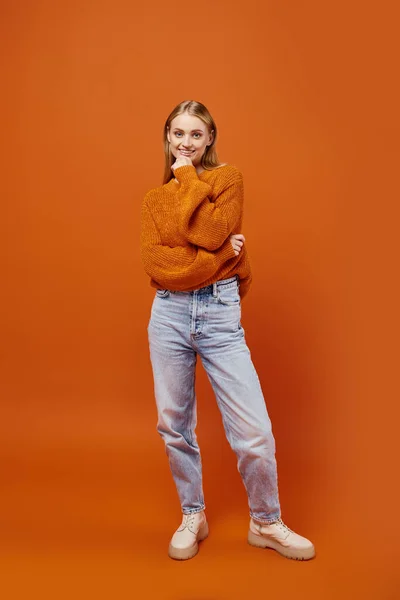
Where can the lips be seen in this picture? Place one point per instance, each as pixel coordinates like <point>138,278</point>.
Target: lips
<point>185,152</point>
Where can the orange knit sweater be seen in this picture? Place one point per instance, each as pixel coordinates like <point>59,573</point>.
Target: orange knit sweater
<point>185,230</point>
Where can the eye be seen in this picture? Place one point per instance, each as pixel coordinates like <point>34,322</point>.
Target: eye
<point>178,134</point>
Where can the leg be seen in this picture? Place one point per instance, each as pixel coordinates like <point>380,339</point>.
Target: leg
<point>174,367</point>
<point>247,425</point>
<point>229,367</point>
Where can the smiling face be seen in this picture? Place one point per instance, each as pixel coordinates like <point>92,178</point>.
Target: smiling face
<point>188,136</point>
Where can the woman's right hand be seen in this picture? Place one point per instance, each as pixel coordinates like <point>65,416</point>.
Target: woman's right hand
<point>237,240</point>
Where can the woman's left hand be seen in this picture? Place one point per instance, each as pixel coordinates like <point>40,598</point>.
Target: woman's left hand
<point>181,161</point>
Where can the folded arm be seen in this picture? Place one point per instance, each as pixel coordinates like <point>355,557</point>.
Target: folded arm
<point>204,223</point>
<point>181,266</point>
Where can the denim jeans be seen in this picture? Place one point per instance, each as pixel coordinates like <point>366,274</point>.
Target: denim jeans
<point>206,322</point>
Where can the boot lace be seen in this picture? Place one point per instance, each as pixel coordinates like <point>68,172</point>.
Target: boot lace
<point>188,521</point>
<point>283,526</point>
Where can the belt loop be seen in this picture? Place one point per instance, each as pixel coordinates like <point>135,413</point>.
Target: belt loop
<point>215,289</point>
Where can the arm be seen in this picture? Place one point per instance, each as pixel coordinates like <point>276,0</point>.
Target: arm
<point>181,266</point>
<point>204,223</point>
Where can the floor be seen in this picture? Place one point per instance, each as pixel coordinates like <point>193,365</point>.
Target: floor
<point>91,518</point>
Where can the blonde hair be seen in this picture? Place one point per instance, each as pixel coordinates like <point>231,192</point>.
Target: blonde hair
<point>209,160</point>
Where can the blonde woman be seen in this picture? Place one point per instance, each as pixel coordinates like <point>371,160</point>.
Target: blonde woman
<point>194,252</point>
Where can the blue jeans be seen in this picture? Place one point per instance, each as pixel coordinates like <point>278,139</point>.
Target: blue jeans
<point>206,321</point>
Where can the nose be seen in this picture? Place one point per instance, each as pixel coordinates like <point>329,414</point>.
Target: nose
<point>187,142</point>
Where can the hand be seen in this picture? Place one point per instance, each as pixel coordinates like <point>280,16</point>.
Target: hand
<point>237,240</point>
<point>181,161</point>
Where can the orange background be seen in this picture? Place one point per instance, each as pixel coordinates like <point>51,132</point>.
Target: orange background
<point>305,97</point>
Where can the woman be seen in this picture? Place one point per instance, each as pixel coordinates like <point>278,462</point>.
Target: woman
<point>194,253</point>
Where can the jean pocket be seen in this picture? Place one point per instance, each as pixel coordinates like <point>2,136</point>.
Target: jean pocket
<point>228,295</point>
<point>162,293</point>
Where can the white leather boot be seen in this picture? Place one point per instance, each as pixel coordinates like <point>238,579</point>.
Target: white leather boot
<point>193,529</point>
<point>280,538</point>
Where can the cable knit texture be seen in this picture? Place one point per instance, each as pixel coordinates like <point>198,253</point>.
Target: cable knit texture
<point>186,226</point>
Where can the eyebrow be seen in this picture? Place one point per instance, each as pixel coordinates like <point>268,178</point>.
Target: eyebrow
<point>179,129</point>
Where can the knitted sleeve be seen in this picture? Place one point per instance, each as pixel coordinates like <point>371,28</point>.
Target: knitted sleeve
<point>204,223</point>
<point>179,266</point>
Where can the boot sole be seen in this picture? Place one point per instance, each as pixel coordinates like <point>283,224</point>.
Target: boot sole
<point>186,553</point>
<point>261,542</point>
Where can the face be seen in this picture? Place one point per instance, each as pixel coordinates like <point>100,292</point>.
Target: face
<point>188,136</point>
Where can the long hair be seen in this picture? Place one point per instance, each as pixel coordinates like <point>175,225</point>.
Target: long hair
<point>209,160</point>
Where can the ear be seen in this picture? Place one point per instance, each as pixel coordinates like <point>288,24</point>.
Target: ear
<point>211,136</point>
<point>168,136</point>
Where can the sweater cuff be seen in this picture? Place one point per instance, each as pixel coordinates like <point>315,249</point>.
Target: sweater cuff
<point>186,173</point>
<point>226,251</point>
